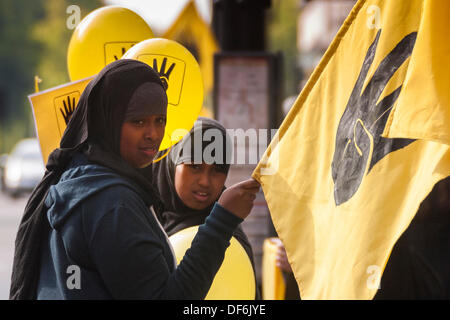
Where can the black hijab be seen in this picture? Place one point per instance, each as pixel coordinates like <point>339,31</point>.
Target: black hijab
<point>176,215</point>
<point>94,129</point>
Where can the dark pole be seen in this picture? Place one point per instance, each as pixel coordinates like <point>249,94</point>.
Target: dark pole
<point>239,25</point>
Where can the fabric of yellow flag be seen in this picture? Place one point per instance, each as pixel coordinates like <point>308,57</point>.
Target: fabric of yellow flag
<point>193,32</point>
<point>431,60</point>
<point>363,145</point>
<point>52,110</point>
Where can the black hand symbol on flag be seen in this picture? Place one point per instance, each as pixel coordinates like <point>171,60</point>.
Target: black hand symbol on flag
<point>69,107</point>
<point>359,145</point>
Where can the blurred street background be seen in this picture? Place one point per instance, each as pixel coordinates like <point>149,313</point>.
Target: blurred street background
<point>11,210</point>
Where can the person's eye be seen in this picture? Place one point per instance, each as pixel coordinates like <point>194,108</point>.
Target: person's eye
<point>194,167</point>
<point>218,170</point>
<point>138,122</point>
<point>161,120</point>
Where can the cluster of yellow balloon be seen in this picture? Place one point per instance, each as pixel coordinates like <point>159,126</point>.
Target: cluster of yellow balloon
<point>111,33</point>
<point>102,37</point>
<point>235,279</point>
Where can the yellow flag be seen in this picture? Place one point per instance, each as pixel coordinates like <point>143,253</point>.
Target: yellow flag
<point>52,110</point>
<point>193,32</point>
<point>363,145</point>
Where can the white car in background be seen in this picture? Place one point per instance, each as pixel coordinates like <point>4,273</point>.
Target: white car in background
<point>24,167</point>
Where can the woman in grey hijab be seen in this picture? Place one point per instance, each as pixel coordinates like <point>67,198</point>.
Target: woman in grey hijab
<point>191,178</point>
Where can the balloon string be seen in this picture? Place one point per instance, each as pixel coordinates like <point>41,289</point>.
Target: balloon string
<point>162,157</point>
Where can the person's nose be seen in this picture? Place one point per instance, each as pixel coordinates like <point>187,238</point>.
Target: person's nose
<point>204,180</point>
<point>150,133</point>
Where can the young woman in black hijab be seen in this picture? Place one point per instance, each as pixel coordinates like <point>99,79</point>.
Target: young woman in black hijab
<point>89,229</point>
<point>189,185</point>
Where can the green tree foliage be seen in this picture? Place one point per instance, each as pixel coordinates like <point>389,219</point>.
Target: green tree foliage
<point>19,54</point>
<point>52,68</point>
<point>34,38</point>
<point>281,33</point>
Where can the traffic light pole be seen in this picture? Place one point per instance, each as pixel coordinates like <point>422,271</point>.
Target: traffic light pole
<point>239,25</point>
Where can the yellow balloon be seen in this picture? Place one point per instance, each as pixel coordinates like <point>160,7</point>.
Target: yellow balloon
<point>178,68</point>
<point>102,37</point>
<point>235,279</point>
<point>206,112</point>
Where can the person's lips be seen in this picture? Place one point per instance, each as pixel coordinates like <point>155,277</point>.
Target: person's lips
<point>149,150</point>
<point>201,196</point>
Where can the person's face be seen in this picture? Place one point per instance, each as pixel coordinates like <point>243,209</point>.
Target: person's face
<point>199,185</point>
<point>140,139</point>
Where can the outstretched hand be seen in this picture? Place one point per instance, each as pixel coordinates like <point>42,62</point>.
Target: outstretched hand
<point>239,198</point>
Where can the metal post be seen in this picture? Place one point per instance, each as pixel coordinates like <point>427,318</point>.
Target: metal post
<point>239,25</point>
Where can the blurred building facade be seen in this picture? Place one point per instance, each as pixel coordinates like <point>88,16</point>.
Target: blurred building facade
<point>317,24</point>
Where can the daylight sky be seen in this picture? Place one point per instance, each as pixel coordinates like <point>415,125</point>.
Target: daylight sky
<point>159,14</point>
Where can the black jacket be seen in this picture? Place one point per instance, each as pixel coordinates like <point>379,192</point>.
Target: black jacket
<point>104,243</point>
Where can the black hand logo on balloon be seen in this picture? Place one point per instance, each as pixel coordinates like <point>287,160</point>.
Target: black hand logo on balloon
<point>68,109</point>
<point>359,145</point>
<point>163,74</point>
<point>123,52</point>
